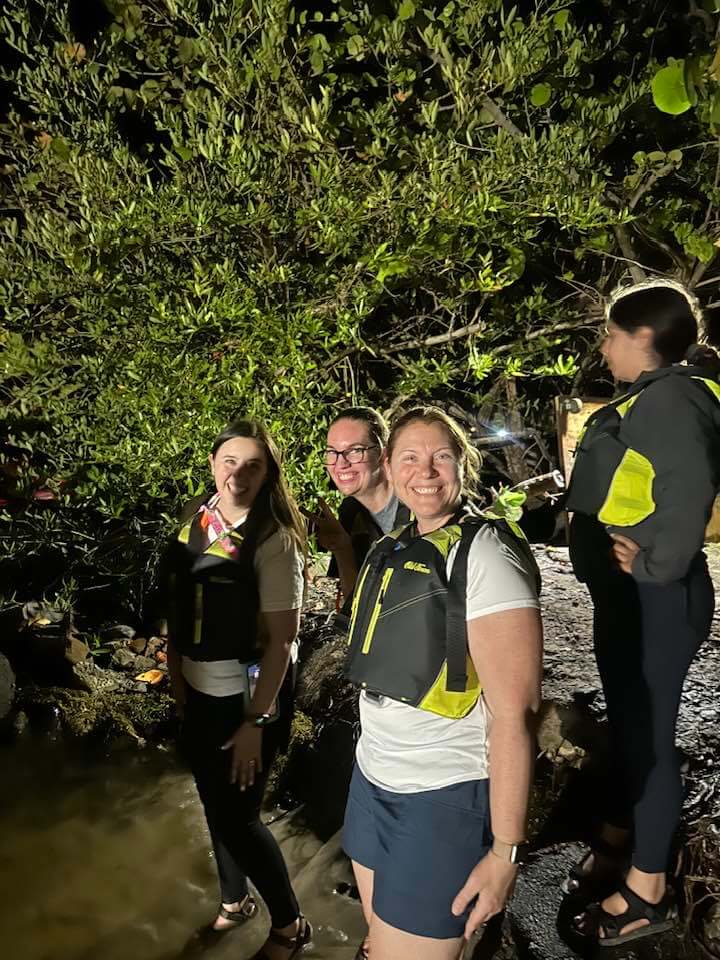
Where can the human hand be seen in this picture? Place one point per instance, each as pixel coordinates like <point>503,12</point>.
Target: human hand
<point>330,533</point>
<point>246,760</point>
<point>624,551</point>
<point>492,881</point>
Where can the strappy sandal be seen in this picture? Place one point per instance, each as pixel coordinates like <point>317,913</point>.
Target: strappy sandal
<point>660,916</point>
<point>209,935</point>
<point>247,910</point>
<point>362,952</point>
<point>598,881</point>
<point>301,941</point>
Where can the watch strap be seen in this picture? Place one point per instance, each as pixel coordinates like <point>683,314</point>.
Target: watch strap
<point>510,852</point>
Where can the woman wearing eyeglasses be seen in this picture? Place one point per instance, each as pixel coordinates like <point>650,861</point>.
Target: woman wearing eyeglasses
<point>354,460</point>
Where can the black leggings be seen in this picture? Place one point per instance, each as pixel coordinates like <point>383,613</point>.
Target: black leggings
<point>646,636</point>
<point>243,845</point>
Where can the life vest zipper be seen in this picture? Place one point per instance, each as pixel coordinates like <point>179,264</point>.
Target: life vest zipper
<point>376,609</point>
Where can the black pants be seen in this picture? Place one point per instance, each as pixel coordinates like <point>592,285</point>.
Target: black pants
<point>646,636</point>
<point>243,845</point>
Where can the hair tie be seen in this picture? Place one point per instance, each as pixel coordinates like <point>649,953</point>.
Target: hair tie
<point>623,291</point>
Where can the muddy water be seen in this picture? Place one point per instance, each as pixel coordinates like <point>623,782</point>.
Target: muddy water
<point>107,858</point>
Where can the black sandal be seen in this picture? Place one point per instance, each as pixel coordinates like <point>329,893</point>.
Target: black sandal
<point>599,881</point>
<point>362,952</point>
<point>660,916</point>
<point>301,941</point>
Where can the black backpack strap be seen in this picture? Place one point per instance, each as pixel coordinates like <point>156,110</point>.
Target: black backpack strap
<point>456,615</point>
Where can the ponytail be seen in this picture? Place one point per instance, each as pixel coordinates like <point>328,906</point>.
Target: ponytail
<point>702,355</point>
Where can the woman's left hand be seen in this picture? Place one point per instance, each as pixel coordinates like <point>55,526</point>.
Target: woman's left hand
<point>492,881</point>
<point>246,760</point>
<point>624,551</point>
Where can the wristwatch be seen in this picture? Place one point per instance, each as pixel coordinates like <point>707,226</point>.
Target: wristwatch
<point>258,719</point>
<point>510,852</point>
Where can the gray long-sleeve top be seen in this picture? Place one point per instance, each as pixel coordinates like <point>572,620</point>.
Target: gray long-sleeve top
<point>674,423</point>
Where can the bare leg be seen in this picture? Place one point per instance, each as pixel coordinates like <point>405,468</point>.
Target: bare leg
<point>364,878</point>
<point>388,943</point>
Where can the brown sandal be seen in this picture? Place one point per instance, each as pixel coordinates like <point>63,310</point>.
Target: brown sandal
<point>301,941</point>
<point>247,910</point>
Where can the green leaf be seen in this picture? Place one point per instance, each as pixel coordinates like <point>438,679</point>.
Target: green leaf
<point>150,90</point>
<point>560,19</point>
<point>60,147</point>
<point>406,11</point>
<point>356,46</point>
<point>669,91</point>
<point>186,50</point>
<point>715,110</point>
<point>540,94</point>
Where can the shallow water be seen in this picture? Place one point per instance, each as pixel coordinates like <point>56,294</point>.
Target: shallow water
<point>107,856</point>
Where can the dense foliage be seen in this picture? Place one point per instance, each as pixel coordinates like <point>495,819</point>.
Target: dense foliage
<point>276,207</point>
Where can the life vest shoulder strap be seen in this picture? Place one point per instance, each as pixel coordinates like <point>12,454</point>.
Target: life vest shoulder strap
<point>456,610</point>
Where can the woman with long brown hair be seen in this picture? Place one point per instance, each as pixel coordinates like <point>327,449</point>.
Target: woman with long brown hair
<point>236,581</point>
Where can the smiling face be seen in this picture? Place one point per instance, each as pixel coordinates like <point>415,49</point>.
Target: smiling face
<point>427,473</point>
<point>626,354</point>
<point>354,479</point>
<point>239,469</point>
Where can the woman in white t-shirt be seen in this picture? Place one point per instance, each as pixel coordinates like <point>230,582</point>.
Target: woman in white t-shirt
<point>235,582</point>
<point>429,775</point>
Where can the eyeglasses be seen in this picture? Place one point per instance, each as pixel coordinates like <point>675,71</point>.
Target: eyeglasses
<point>350,454</point>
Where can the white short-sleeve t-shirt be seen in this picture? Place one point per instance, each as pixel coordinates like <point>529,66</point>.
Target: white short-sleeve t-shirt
<point>279,567</point>
<point>407,750</point>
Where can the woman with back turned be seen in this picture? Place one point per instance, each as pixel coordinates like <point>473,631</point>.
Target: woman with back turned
<point>236,580</point>
<point>642,490</point>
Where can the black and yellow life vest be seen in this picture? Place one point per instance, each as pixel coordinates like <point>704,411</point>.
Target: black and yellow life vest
<point>610,479</point>
<point>213,598</point>
<point>408,629</point>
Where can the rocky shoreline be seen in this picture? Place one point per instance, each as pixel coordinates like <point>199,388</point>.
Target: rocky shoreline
<point>115,687</point>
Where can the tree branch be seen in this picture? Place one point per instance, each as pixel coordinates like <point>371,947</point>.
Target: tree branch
<point>501,120</point>
<point>649,184</point>
<point>543,332</point>
<point>465,331</point>
<point>623,239</point>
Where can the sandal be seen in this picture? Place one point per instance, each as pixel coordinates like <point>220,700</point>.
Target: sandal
<point>301,941</point>
<point>599,881</point>
<point>661,916</point>
<point>362,952</point>
<point>209,935</point>
<point>247,910</point>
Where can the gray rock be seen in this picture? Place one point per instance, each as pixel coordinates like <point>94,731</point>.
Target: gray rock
<point>7,686</point>
<point>143,664</point>
<point>137,645</point>
<point>118,631</point>
<point>154,645</point>
<point>123,659</point>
